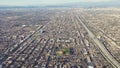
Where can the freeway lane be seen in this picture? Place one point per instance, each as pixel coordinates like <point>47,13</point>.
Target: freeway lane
<point>101,47</point>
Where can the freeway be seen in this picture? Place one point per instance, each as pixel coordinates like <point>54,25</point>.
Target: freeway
<point>100,46</point>
<point>83,42</point>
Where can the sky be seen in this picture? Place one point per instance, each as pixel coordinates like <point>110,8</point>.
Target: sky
<point>43,2</point>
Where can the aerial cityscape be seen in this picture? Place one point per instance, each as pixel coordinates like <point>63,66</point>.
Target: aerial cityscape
<point>73,35</point>
<point>60,38</point>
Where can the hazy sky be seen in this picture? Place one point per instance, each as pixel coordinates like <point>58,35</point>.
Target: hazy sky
<point>44,2</point>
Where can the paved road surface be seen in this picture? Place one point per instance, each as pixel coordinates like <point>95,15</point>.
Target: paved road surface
<point>101,47</point>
